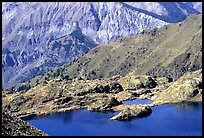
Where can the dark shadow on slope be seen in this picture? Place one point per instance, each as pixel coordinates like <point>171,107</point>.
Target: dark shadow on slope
<point>95,14</point>
<point>173,14</point>
<point>188,8</point>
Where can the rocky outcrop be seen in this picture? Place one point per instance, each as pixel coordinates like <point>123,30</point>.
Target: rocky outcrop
<point>115,87</point>
<point>112,87</point>
<point>100,89</point>
<point>130,112</point>
<point>63,100</point>
<point>135,82</point>
<point>186,88</point>
<point>13,126</point>
<point>104,104</point>
<point>124,95</point>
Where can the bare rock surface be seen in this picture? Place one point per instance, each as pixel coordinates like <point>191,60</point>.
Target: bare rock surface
<point>13,126</point>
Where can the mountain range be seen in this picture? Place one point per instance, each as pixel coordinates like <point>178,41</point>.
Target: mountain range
<point>169,51</point>
<point>39,36</point>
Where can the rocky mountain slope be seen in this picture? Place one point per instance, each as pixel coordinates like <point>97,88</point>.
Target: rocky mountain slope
<point>13,126</point>
<point>166,52</point>
<point>21,65</point>
<point>187,87</point>
<point>30,29</point>
<point>169,51</point>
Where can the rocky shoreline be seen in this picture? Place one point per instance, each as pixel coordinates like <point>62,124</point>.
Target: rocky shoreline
<point>61,95</point>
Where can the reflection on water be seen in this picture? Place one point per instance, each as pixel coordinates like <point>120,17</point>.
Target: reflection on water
<point>67,117</point>
<point>188,105</point>
<point>170,120</point>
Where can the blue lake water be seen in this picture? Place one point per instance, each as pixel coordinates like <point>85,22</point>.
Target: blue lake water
<point>138,101</point>
<point>170,120</point>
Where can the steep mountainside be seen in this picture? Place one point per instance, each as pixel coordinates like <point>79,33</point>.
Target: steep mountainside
<point>169,51</point>
<point>30,28</point>
<point>21,65</point>
<point>13,126</point>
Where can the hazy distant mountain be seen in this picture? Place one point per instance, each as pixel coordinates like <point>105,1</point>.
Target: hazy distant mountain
<point>30,30</point>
